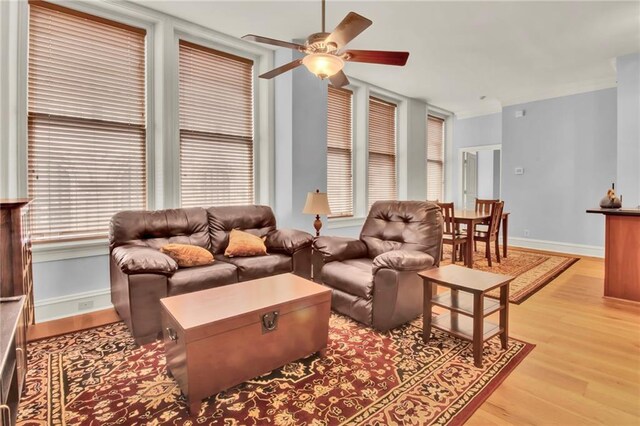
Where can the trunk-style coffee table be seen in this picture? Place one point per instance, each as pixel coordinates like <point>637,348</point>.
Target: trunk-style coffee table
<point>467,304</point>
<point>215,339</point>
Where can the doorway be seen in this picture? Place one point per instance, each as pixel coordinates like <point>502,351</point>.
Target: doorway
<point>480,174</point>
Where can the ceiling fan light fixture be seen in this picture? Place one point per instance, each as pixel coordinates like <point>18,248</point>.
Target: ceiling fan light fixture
<point>323,65</point>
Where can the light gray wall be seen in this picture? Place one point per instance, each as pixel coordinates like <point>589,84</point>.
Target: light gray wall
<point>475,131</point>
<point>300,143</point>
<point>567,147</point>
<point>628,182</point>
<point>496,174</point>
<point>70,276</point>
<point>485,174</point>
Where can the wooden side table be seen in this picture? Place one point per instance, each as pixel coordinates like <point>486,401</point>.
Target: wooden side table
<point>468,305</point>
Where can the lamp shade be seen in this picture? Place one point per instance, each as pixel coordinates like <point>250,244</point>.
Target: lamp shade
<point>317,203</point>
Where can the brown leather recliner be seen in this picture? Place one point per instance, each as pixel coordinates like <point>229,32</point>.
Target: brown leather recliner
<point>141,274</point>
<point>374,278</point>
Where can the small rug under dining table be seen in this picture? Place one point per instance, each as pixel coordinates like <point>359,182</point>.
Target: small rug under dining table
<point>533,270</point>
<point>100,377</point>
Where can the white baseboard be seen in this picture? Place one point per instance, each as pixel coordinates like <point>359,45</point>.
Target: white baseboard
<point>66,306</point>
<point>559,247</point>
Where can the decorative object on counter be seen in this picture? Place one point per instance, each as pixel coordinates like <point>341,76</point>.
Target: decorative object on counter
<point>317,203</point>
<point>610,201</point>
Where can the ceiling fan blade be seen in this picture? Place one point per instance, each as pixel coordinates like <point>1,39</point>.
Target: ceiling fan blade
<point>282,69</point>
<point>273,42</point>
<point>339,79</point>
<point>352,25</point>
<point>377,57</point>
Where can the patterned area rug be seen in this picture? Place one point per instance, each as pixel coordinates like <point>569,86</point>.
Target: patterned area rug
<point>532,270</point>
<point>99,377</point>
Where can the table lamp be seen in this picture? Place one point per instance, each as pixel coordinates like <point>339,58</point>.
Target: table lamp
<point>317,203</point>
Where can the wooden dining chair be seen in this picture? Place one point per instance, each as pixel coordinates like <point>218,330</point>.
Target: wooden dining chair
<point>483,206</point>
<point>491,234</point>
<point>451,233</point>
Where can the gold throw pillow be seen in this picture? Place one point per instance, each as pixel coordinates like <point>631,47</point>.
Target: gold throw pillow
<point>243,244</point>
<point>187,255</point>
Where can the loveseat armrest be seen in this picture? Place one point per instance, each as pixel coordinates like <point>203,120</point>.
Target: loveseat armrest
<point>403,260</point>
<point>133,259</point>
<point>339,248</point>
<point>288,241</point>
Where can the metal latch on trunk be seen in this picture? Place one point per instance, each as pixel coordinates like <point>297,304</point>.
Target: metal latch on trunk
<point>269,321</point>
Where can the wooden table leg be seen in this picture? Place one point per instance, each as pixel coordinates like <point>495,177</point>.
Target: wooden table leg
<point>504,315</point>
<point>505,227</point>
<point>469,258</point>
<point>478,332</point>
<point>428,290</point>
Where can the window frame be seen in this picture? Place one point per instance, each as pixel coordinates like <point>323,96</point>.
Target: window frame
<point>397,103</point>
<point>353,159</point>
<point>445,134</point>
<point>263,133</point>
<point>162,96</point>
<point>72,248</point>
<point>231,53</point>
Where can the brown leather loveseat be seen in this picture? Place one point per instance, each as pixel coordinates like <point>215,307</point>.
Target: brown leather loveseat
<point>141,274</point>
<point>374,278</point>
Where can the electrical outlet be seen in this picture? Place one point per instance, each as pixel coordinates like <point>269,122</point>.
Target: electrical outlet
<point>87,304</point>
<point>526,232</point>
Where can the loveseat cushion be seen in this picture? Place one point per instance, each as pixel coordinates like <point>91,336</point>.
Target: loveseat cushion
<point>250,268</point>
<point>244,244</point>
<point>202,278</point>
<point>187,255</point>
<point>256,220</point>
<point>351,276</point>
<point>158,228</point>
<point>288,241</point>
<point>133,259</point>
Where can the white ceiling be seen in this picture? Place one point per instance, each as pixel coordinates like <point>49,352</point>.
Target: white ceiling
<point>510,52</point>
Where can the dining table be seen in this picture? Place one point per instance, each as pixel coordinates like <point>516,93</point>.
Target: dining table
<point>471,218</point>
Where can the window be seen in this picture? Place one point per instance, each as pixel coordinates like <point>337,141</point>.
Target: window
<point>339,152</point>
<point>435,158</point>
<point>86,122</point>
<point>382,180</point>
<point>216,127</point>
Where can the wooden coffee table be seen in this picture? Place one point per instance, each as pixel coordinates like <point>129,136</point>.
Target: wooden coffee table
<point>468,305</point>
<point>215,339</point>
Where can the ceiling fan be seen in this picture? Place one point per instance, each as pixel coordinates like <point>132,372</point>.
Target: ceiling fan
<point>324,55</point>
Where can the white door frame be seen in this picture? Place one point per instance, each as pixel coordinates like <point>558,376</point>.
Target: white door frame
<point>461,165</point>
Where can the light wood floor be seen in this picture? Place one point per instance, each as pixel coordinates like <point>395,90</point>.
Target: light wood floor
<point>584,370</point>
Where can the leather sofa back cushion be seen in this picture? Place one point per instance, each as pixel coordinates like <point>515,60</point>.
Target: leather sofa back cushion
<point>244,244</point>
<point>256,220</point>
<point>406,225</point>
<point>158,228</point>
<point>187,255</point>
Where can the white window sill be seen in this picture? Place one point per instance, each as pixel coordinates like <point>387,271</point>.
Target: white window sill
<point>345,222</point>
<point>49,252</point>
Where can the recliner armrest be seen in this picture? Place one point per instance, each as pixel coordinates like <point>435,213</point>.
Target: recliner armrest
<point>339,248</point>
<point>403,260</point>
<point>132,259</point>
<point>288,241</point>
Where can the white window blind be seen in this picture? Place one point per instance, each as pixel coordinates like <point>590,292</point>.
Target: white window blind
<point>435,158</point>
<point>339,152</point>
<point>86,122</point>
<point>216,127</point>
<point>382,179</point>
